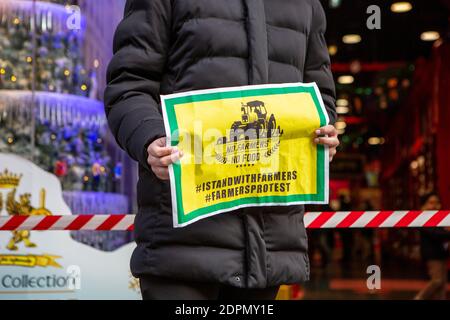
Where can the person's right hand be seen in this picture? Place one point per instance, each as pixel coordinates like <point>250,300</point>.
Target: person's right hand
<point>160,157</point>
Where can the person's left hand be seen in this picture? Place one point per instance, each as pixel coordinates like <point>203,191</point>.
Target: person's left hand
<point>328,136</point>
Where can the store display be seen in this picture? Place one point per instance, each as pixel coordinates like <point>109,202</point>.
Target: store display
<point>70,126</point>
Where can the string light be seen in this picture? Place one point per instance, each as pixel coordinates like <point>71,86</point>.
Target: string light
<point>335,3</point>
<point>13,78</point>
<point>67,72</point>
<point>414,165</point>
<point>332,50</point>
<point>29,59</point>
<point>2,71</point>
<point>83,87</point>
<point>351,38</point>
<point>16,21</point>
<point>400,7</point>
<point>340,125</point>
<point>373,141</point>
<point>429,36</point>
<point>342,102</point>
<point>342,110</point>
<point>346,79</point>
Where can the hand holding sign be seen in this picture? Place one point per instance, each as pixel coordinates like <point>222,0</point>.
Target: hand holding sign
<point>328,136</point>
<point>160,157</point>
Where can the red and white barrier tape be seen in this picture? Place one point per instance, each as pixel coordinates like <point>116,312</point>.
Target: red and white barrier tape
<point>377,219</point>
<point>72,222</point>
<point>313,220</point>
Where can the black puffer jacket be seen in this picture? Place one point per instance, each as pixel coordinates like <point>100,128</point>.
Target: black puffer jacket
<point>167,46</point>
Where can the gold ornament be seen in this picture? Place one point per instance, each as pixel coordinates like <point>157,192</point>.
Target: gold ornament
<point>22,207</point>
<point>9,180</point>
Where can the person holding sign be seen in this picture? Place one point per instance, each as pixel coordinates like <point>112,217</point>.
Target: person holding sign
<point>172,47</point>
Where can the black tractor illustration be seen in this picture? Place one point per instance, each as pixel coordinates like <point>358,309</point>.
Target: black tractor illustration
<point>254,122</point>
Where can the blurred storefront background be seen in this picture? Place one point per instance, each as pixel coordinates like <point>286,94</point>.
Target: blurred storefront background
<point>393,104</point>
<point>58,75</point>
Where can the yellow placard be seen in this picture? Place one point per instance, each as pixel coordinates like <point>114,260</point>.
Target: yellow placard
<point>245,146</point>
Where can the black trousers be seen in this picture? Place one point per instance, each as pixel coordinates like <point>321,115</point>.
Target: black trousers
<point>157,288</point>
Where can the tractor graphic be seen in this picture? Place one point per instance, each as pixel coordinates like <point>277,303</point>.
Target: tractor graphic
<point>254,123</point>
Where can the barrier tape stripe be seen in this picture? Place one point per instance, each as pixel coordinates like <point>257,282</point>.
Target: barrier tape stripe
<point>320,220</point>
<point>109,223</point>
<point>379,219</point>
<point>394,219</point>
<point>79,222</point>
<point>47,223</point>
<point>13,222</point>
<point>364,219</point>
<point>408,217</point>
<point>445,222</point>
<point>312,220</point>
<point>436,218</point>
<point>335,219</point>
<point>349,219</point>
<point>94,222</point>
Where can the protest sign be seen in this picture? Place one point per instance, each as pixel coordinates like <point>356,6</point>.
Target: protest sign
<point>245,146</point>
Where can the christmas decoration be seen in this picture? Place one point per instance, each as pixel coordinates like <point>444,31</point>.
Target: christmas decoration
<point>64,118</point>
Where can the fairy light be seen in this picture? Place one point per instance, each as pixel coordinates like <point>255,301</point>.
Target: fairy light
<point>83,87</point>
<point>342,102</point>
<point>13,78</point>
<point>346,79</point>
<point>401,6</point>
<point>351,38</point>
<point>2,71</point>
<point>342,110</point>
<point>16,21</point>
<point>373,141</point>
<point>429,36</point>
<point>29,59</point>
<point>67,72</point>
<point>340,125</point>
<point>332,50</point>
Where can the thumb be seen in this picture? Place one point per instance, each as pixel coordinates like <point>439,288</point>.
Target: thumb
<point>176,156</point>
<point>161,142</point>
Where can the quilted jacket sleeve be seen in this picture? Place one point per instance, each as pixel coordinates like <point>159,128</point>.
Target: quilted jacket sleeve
<point>318,65</point>
<point>132,98</point>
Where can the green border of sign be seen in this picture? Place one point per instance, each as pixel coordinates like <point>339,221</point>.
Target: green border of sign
<point>169,103</point>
